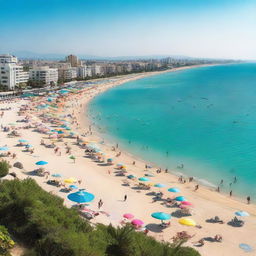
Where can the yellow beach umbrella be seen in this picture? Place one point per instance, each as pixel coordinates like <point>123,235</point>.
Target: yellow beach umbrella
<point>70,180</point>
<point>187,222</point>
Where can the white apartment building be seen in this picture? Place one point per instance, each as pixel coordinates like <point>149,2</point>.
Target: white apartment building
<point>97,70</point>
<point>84,71</point>
<point>7,58</point>
<point>67,73</point>
<point>45,74</point>
<point>11,74</point>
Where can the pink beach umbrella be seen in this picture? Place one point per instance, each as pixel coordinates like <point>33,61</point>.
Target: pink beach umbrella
<point>187,203</point>
<point>137,223</point>
<point>128,216</point>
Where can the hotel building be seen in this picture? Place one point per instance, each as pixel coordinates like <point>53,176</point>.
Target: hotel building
<point>44,74</point>
<point>11,74</point>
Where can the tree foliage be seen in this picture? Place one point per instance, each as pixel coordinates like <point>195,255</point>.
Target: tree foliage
<point>4,168</point>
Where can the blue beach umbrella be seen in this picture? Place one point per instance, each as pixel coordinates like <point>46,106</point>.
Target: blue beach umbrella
<point>4,148</point>
<point>81,197</point>
<point>131,176</point>
<point>143,179</point>
<point>246,247</point>
<point>60,132</point>
<point>41,163</point>
<point>242,214</point>
<point>56,175</point>
<point>161,215</point>
<point>180,198</point>
<point>174,190</point>
<point>28,146</point>
<point>22,141</point>
<point>149,175</point>
<point>73,186</point>
<point>159,185</point>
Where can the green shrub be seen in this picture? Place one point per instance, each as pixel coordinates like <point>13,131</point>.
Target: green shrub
<point>6,243</point>
<point>41,221</point>
<point>4,168</point>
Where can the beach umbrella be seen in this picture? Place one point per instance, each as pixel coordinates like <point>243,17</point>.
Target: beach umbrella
<point>161,215</point>
<point>149,175</point>
<point>186,203</point>
<point>28,146</point>
<point>128,216</point>
<point>144,179</point>
<point>187,222</point>
<point>174,190</point>
<point>246,247</point>
<point>81,197</point>
<point>137,222</point>
<point>159,185</point>
<point>180,198</point>
<point>73,186</point>
<point>4,148</point>
<point>70,180</point>
<point>56,175</point>
<point>72,157</point>
<point>242,214</point>
<point>41,163</point>
<point>131,176</point>
<point>22,141</point>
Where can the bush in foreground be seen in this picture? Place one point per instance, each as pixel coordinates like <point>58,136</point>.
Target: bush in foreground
<point>4,168</point>
<point>6,243</point>
<point>41,222</point>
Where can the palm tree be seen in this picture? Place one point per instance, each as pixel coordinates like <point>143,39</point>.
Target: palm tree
<point>122,241</point>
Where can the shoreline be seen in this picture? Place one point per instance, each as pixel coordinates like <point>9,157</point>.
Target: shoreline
<point>86,121</point>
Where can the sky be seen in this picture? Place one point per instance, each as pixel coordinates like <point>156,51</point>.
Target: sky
<point>196,28</point>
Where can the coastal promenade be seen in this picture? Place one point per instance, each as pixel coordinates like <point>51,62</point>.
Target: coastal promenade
<point>102,179</point>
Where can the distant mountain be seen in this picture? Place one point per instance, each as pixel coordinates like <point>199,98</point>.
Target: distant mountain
<point>56,56</point>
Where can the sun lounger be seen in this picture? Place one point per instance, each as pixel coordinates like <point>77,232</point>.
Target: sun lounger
<point>216,219</point>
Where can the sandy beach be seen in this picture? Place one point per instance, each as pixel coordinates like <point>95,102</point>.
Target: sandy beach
<point>102,179</point>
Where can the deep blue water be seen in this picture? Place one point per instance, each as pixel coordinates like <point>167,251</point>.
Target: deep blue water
<point>205,118</point>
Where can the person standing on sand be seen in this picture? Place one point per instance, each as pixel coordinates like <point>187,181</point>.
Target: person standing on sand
<point>248,199</point>
<point>125,198</point>
<point>230,193</point>
<point>100,203</point>
<point>196,187</point>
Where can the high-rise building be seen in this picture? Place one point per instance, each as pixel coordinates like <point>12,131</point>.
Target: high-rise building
<point>11,74</point>
<point>73,60</point>
<point>44,74</point>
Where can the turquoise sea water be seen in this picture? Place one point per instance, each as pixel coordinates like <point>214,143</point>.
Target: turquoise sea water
<point>205,118</point>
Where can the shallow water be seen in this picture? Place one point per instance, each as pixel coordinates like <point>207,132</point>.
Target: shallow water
<point>203,118</point>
